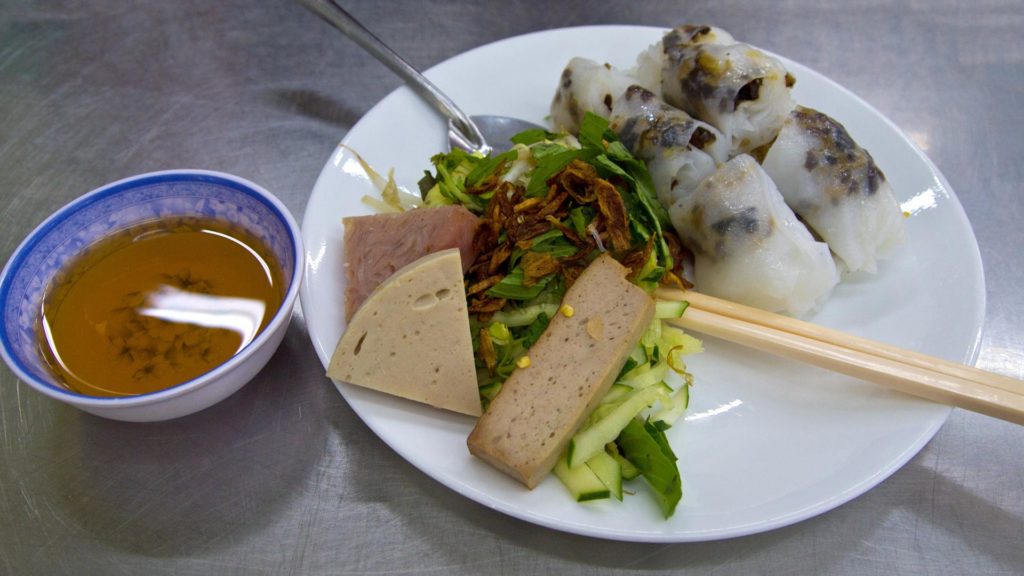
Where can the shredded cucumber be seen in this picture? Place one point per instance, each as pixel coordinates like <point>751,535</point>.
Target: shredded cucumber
<point>584,445</point>
<point>650,376</point>
<point>581,481</point>
<point>638,355</point>
<point>628,469</point>
<point>674,407</point>
<point>616,393</point>
<point>609,471</point>
<point>669,309</point>
<point>675,339</point>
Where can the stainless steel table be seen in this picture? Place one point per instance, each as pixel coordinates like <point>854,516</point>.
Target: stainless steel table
<point>283,477</point>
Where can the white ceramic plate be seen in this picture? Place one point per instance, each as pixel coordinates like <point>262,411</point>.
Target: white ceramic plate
<point>766,442</point>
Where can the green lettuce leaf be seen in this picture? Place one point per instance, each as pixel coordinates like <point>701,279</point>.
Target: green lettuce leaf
<point>646,447</point>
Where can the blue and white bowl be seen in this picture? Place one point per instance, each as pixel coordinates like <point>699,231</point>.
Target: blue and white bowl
<point>65,234</point>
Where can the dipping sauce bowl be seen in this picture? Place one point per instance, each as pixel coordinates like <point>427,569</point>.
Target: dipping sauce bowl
<point>49,256</point>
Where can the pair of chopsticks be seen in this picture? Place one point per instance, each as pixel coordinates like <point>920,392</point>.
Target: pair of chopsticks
<point>904,370</point>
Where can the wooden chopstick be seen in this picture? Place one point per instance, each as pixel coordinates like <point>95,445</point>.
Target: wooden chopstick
<point>904,370</point>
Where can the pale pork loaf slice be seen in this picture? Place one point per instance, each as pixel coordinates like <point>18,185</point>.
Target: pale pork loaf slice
<point>376,246</point>
<point>411,338</point>
<point>572,366</point>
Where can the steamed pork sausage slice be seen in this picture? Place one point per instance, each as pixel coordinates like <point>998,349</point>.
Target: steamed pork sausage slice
<point>411,338</point>
<point>378,245</point>
<point>529,423</point>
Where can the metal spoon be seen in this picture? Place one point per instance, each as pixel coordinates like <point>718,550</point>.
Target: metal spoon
<point>483,134</point>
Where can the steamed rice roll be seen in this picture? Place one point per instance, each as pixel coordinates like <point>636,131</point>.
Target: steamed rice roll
<point>748,245</point>
<point>836,188</point>
<point>733,86</point>
<point>679,151</point>
<point>586,86</point>
<point>650,62</point>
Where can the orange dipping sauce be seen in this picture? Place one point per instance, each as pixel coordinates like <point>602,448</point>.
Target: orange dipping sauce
<point>156,305</point>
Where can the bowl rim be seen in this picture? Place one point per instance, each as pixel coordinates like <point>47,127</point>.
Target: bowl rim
<point>282,316</point>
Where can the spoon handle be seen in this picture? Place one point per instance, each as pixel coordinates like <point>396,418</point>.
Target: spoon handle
<point>336,16</point>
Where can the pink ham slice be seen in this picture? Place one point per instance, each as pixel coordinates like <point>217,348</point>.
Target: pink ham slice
<point>378,245</point>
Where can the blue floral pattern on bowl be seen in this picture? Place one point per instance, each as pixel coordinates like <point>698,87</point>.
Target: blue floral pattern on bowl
<point>65,235</point>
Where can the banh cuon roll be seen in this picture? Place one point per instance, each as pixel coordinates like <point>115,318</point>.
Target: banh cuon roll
<point>679,150</point>
<point>748,245</point>
<point>735,87</point>
<point>586,86</point>
<point>819,207</point>
<point>835,186</point>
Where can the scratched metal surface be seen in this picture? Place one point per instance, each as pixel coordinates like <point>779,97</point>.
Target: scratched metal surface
<point>283,478</point>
